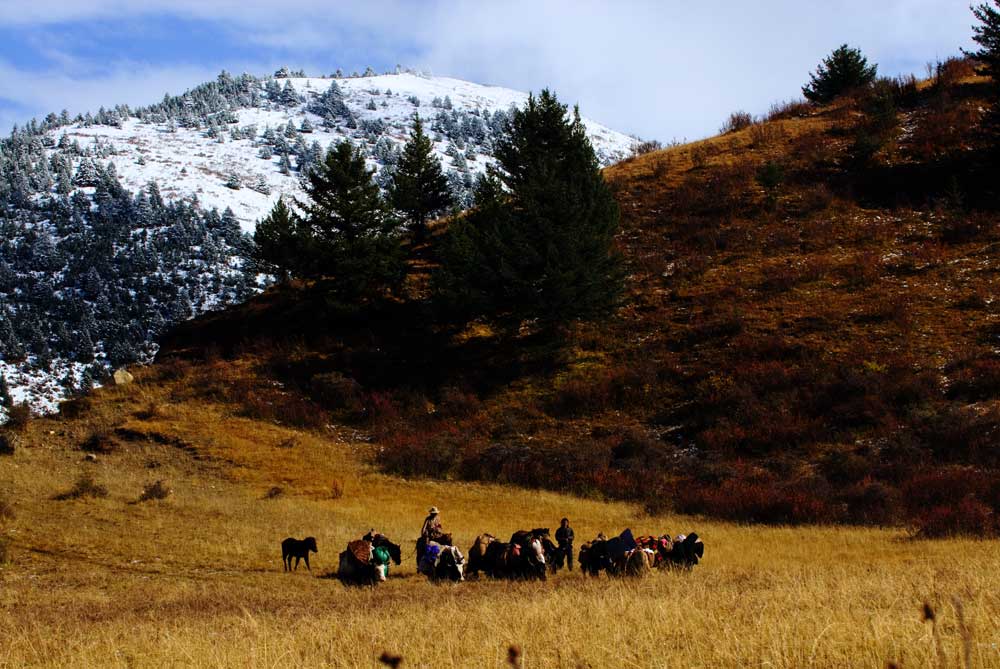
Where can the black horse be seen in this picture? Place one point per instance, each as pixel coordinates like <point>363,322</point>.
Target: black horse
<point>298,549</point>
<point>595,557</point>
<point>380,540</point>
<point>527,556</point>
<point>684,554</point>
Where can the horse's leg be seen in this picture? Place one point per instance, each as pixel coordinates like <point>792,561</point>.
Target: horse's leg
<point>297,558</point>
<point>307,562</point>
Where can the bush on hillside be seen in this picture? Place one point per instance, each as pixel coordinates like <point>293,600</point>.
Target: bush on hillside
<point>969,517</point>
<point>642,147</point>
<point>18,417</point>
<point>85,486</point>
<point>156,490</point>
<point>738,120</point>
<point>8,442</point>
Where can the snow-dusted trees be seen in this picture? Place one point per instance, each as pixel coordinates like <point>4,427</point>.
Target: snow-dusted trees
<point>277,241</point>
<point>348,233</point>
<point>419,190</point>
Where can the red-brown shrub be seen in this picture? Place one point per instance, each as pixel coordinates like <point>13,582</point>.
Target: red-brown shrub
<point>976,380</point>
<point>752,499</point>
<point>457,403</point>
<point>596,391</point>
<point>870,502</point>
<point>967,517</point>
<point>944,487</point>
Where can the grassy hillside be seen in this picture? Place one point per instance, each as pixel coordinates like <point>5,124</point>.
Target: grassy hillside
<point>195,579</point>
<point>810,334</point>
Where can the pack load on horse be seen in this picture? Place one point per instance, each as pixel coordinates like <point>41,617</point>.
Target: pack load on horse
<point>523,557</point>
<point>363,563</point>
<point>532,560</point>
<point>477,556</point>
<point>603,554</point>
<point>377,540</point>
<point>683,552</point>
<point>440,562</point>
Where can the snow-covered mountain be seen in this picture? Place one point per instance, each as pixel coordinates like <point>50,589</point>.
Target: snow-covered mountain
<point>110,223</point>
<point>223,165</point>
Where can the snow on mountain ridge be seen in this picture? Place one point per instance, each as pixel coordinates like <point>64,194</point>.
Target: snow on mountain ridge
<point>186,163</point>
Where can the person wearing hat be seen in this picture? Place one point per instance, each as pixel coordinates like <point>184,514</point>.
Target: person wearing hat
<point>432,525</point>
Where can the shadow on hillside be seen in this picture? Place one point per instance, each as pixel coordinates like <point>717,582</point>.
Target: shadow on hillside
<point>967,180</point>
<point>298,333</point>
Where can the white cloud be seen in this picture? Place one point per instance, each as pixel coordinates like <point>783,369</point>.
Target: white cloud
<point>128,84</point>
<point>659,69</point>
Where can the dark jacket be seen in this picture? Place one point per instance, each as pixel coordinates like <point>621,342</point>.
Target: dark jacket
<point>564,536</point>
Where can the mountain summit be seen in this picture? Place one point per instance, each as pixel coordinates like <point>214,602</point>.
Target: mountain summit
<point>240,142</point>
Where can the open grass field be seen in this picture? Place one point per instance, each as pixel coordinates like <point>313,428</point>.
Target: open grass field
<point>195,580</point>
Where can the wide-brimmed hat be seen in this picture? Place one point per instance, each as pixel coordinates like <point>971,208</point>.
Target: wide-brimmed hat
<point>433,510</point>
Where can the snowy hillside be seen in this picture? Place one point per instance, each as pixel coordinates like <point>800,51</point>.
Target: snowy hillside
<point>224,168</point>
<point>116,225</point>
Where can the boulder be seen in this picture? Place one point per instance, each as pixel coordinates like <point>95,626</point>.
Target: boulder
<point>122,377</point>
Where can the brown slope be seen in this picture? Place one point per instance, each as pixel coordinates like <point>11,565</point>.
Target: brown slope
<point>807,336</point>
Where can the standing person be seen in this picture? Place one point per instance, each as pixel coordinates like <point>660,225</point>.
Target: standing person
<point>564,537</point>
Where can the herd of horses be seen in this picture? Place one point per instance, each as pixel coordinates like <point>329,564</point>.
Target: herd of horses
<point>529,555</point>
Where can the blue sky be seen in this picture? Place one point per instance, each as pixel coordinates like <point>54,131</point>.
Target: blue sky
<point>664,69</point>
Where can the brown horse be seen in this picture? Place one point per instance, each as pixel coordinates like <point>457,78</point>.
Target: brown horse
<point>477,556</point>
<point>638,563</point>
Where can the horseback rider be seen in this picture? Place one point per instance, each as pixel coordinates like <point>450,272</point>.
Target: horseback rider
<point>564,537</point>
<point>431,531</point>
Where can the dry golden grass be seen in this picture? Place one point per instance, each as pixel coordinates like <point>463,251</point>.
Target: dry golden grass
<point>195,579</point>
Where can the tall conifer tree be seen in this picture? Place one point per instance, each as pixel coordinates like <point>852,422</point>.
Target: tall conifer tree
<point>987,36</point>
<point>348,232</point>
<point>278,242</point>
<point>419,188</point>
<point>539,242</point>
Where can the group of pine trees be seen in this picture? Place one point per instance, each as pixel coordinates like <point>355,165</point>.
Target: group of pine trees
<point>537,245</point>
<point>347,231</point>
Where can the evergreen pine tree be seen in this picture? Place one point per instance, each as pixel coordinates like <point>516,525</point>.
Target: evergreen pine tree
<point>539,242</point>
<point>419,189</point>
<point>277,241</point>
<point>5,399</point>
<point>843,70</point>
<point>349,233</point>
<point>987,36</point>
